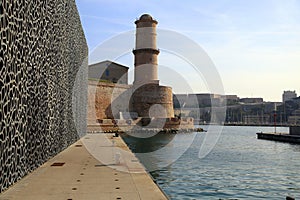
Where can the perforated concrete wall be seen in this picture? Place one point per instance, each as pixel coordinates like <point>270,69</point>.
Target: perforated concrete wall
<point>43,83</point>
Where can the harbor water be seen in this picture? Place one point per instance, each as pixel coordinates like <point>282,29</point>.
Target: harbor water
<point>238,167</point>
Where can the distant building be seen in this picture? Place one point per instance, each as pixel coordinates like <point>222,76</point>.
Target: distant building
<point>180,100</point>
<point>109,71</point>
<point>288,107</point>
<point>294,119</point>
<point>256,119</point>
<point>231,99</point>
<point>252,100</point>
<point>203,100</point>
<point>288,95</point>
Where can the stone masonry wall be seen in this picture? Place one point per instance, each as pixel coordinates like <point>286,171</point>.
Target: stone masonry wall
<point>106,100</point>
<point>43,83</point>
<point>149,95</point>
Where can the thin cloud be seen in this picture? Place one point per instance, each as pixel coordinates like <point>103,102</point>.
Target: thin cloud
<point>119,21</point>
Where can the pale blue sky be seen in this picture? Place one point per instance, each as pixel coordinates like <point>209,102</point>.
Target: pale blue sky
<point>255,45</point>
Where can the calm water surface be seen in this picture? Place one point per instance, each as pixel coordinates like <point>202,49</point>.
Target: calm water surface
<point>239,167</point>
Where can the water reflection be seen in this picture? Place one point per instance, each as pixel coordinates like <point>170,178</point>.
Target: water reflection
<point>150,144</point>
<point>160,150</point>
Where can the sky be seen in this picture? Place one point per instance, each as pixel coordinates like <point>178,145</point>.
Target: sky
<point>254,45</point>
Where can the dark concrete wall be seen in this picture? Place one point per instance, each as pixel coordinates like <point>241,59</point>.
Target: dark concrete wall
<point>294,130</point>
<point>43,83</point>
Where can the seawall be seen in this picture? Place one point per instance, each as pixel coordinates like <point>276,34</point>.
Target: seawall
<point>281,137</point>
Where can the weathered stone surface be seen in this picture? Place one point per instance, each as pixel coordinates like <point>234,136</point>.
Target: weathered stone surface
<point>149,95</point>
<point>106,100</point>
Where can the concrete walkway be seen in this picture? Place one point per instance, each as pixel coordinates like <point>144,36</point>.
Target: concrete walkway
<point>99,166</point>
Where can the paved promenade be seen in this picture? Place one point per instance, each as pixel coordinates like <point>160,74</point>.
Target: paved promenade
<point>99,166</point>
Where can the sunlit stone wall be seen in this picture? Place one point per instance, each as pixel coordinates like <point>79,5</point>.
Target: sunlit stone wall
<point>43,83</point>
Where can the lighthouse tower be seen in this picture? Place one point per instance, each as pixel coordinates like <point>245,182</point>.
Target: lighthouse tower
<point>149,99</point>
<point>145,52</point>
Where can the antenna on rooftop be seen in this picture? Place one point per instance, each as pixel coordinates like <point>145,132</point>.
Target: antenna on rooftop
<point>275,109</point>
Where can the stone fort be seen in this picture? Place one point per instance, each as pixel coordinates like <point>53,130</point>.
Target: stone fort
<point>114,105</point>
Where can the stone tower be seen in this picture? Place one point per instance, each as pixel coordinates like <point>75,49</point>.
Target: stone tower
<point>149,99</point>
<point>145,52</point>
